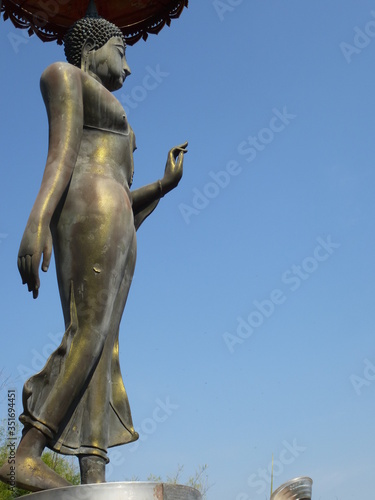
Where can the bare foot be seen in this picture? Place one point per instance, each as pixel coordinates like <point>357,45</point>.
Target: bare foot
<point>31,474</point>
<point>28,471</point>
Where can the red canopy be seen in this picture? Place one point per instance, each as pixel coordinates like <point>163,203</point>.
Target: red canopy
<point>50,19</point>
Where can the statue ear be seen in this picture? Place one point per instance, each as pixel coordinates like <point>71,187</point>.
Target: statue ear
<point>88,47</point>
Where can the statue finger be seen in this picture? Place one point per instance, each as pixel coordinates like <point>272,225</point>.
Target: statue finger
<point>177,152</point>
<point>35,274</point>
<point>47,254</point>
<point>21,268</point>
<point>179,149</point>
<point>27,270</point>
<point>183,147</point>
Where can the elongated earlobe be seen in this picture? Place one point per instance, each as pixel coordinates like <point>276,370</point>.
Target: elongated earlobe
<point>88,47</point>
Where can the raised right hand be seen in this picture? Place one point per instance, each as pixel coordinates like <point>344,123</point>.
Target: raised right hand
<point>173,168</point>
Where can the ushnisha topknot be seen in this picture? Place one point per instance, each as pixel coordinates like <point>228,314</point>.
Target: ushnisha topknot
<point>98,29</point>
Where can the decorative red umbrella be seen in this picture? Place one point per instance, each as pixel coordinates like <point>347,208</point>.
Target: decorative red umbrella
<point>50,19</point>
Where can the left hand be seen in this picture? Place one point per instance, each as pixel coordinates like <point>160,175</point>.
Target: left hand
<point>173,168</point>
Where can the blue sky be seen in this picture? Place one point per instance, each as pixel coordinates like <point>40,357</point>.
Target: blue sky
<point>249,329</point>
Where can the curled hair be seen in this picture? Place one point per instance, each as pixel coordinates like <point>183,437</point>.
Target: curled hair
<point>97,28</point>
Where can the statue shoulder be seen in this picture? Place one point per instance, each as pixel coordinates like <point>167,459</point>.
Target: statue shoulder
<point>59,73</point>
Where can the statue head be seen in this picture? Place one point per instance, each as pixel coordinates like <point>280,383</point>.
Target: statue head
<point>91,29</point>
<point>98,47</point>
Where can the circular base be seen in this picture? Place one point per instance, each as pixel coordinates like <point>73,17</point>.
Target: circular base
<point>119,491</point>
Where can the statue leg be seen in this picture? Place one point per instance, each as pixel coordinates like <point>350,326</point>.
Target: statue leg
<point>92,469</point>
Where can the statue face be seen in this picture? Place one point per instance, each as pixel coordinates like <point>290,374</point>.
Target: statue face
<point>109,64</point>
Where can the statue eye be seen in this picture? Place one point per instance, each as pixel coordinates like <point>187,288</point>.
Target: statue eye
<point>120,50</point>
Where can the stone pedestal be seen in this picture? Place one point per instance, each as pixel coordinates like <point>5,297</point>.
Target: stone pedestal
<point>119,491</point>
